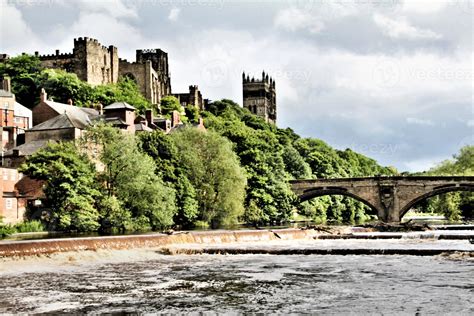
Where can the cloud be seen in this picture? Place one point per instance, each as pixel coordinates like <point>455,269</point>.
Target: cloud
<point>112,8</point>
<point>402,29</point>
<point>340,75</point>
<point>294,19</point>
<point>417,121</point>
<point>425,6</point>
<point>174,14</point>
<point>14,31</point>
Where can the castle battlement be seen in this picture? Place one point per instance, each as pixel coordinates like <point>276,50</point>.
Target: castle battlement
<point>54,56</point>
<point>98,64</point>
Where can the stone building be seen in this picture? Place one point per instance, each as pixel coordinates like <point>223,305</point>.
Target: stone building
<point>53,122</point>
<point>121,115</point>
<point>150,71</point>
<point>193,97</point>
<point>259,97</point>
<point>97,64</point>
<point>90,61</point>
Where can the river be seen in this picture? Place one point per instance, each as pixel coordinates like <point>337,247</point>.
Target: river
<point>145,281</point>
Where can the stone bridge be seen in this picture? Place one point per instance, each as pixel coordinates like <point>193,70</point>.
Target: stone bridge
<point>391,197</point>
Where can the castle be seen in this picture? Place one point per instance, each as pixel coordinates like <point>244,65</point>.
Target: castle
<point>97,64</point>
<point>259,97</point>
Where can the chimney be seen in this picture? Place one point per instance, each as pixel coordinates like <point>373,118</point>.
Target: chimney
<point>6,84</point>
<point>149,117</point>
<point>43,95</point>
<point>69,101</point>
<point>175,118</point>
<point>101,109</point>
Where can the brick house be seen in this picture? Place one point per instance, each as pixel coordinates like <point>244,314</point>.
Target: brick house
<point>14,117</point>
<point>12,208</point>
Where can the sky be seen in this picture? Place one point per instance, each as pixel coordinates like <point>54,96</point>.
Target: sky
<point>392,79</point>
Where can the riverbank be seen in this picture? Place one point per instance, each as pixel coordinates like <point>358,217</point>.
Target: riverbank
<point>280,241</point>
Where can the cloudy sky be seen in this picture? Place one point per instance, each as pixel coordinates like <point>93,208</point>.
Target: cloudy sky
<point>389,78</point>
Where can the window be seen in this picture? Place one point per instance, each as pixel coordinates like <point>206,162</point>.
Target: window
<point>5,105</point>
<point>8,203</point>
<point>13,175</point>
<point>18,119</point>
<point>5,174</point>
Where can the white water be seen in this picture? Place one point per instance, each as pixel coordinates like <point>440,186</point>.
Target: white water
<point>145,281</point>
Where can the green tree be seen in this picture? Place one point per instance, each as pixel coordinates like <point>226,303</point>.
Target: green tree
<point>24,71</point>
<point>213,170</point>
<point>129,175</point>
<point>169,104</point>
<point>71,187</point>
<point>454,205</point>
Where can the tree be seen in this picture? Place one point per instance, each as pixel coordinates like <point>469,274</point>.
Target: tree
<point>213,170</point>
<point>71,187</point>
<point>169,104</point>
<point>129,175</point>
<point>454,205</point>
<point>24,71</point>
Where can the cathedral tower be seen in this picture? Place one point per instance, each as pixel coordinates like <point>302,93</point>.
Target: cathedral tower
<point>259,97</point>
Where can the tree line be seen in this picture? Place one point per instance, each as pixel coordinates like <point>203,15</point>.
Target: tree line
<point>238,171</point>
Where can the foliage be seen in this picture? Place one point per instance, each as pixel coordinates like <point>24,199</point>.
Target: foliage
<point>213,169</point>
<point>24,71</point>
<point>272,156</point>
<point>28,77</point>
<point>29,226</point>
<point>70,188</point>
<point>453,205</point>
<point>169,104</point>
<point>129,175</point>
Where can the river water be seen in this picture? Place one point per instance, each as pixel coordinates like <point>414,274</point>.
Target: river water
<point>146,281</point>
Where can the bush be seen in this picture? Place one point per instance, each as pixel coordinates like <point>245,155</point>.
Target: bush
<point>29,226</point>
<point>6,230</point>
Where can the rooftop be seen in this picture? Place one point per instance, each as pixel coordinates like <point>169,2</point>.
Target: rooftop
<point>119,105</point>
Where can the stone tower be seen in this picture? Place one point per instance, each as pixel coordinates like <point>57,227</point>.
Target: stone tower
<point>259,97</point>
<point>91,61</point>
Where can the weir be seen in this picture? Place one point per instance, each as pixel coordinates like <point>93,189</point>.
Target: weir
<point>280,241</point>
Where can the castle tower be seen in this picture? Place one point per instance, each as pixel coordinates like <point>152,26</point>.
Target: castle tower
<point>259,96</point>
<point>95,63</point>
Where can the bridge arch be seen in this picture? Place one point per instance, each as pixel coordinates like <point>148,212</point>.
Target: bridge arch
<point>314,193</point>
<point>435,192</point>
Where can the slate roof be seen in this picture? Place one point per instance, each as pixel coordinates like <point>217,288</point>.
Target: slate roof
<point>116,121</point>
<point>119,105</point>
<point>67,120</point>
<point>62,108</point>
<point>29,148</point>
<point>140,127</point>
